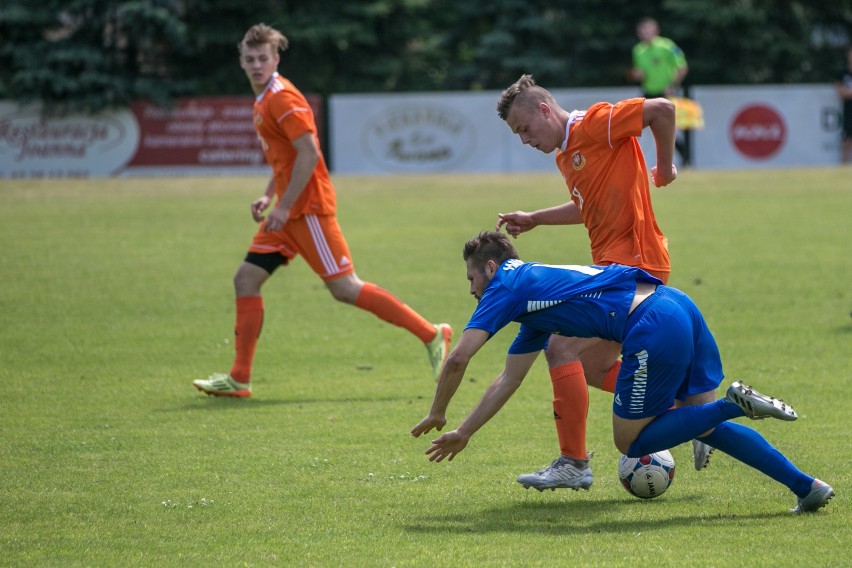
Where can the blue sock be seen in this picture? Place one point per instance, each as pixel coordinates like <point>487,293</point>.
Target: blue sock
<point>748,446</point>
<point>680,425</point>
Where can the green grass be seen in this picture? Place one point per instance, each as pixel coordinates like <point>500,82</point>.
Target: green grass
<point>117,293</point>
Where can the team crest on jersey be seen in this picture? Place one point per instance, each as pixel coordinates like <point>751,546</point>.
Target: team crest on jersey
<point>258,118</point>
<point>578,160</point>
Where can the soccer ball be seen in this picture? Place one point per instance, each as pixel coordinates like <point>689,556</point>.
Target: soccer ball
<point>648,476</point>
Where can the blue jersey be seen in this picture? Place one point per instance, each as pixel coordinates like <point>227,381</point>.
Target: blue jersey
<point>571,300</point>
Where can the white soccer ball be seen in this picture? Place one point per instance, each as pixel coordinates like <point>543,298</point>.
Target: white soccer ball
<point>648,476</point>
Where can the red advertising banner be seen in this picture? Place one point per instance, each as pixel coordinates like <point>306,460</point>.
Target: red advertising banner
<point>202,136</point>
<point>213,131</point>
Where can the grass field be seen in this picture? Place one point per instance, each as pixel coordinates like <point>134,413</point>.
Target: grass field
<point>117,293</point>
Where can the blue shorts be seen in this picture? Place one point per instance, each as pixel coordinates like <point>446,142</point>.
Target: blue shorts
<point>667,353</point>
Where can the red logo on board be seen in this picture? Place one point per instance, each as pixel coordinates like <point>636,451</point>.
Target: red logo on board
<point>758,131</point>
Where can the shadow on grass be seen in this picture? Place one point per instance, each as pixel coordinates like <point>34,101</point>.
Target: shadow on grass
<point>578,518</point>
<point>218,403</point>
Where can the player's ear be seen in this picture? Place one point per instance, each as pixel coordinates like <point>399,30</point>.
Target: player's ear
<point>490,269</point>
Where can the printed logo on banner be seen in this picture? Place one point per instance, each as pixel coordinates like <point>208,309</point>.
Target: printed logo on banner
<point>36,146</point>
<point>758,131</point>
<point>208,132</point>
<point>419,137</point>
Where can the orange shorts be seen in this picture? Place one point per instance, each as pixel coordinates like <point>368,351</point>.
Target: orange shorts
<point>317,238</point>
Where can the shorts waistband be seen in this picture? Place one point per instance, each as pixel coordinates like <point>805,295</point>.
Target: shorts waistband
<point>661,292</point>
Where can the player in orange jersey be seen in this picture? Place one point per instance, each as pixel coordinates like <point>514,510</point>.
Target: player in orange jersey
<point>303,221</point>
<point>598,154</point>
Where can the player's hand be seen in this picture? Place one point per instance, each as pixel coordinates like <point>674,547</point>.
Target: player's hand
<point>276,219</point>
<point>447,446</point>
<point>258,206</point>
<point>426,425</point>
<point>660,179</point>
<point>516,222</point>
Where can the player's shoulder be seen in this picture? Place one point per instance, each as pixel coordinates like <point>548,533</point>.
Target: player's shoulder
<point>594,109</point>
<point>662,41</point>
<point>282,88</point>
<point>607,108</point>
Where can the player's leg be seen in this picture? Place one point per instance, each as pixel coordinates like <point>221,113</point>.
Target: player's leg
<point>740,442</point>
<point>701,452</point>
<point>669,354</point>
<point>249,278</point>
<point>324,247</point>
<point>567,359</point>
<point>601,364</point>
<point>570,391</point>
<point>750,447</point>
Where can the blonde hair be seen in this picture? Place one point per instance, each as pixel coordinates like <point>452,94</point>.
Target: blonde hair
<point>261,34</point>
<point>524,93</point>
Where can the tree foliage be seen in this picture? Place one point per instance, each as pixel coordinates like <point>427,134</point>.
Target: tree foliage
<point>91,54</point>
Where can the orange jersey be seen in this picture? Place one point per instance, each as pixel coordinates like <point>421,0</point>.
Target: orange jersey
<point>282,114</point>
<point>605,171</point>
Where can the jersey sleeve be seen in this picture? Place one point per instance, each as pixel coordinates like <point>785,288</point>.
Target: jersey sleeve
<point>608,123</point>
<point>495,310</point>
<point>679,56</point>
<point>292,114</point>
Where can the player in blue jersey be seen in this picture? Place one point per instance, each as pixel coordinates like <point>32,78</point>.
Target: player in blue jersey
<point>668,355</point>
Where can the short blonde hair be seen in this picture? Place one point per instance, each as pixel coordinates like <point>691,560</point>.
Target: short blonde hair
<point>261,34</point>
<point>524,93</point>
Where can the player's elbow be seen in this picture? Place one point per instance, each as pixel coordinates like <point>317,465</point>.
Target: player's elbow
<point>658,112</point>
<point>667,107</point>
<point>311,155</point>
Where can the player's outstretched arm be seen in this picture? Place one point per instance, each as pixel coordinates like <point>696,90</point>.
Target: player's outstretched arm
<point>518,222</point>
<point>450,379</point>
<point>504,386</point>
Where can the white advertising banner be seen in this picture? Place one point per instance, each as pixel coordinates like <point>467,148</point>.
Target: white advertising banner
<point>437,132</point>
<point>767,126</point>
<point>75,146</point>
<point>745,127</point>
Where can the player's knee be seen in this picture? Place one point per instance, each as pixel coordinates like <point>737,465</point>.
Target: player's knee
<point>248,279</point>
<point>344,295</point>
<point>345,289</point>
<point>560,352</point>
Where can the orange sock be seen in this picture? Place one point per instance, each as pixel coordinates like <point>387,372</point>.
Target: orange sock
<point>608,384</point>
<point>570,408</point>
<point>246,332</point>
<point>388,307</point>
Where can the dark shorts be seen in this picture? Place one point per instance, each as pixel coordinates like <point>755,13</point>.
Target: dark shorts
<point>668,353</point>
